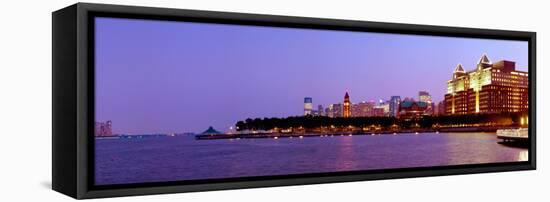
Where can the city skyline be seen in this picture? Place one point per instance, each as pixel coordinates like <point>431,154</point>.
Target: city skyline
<point>163,78</point>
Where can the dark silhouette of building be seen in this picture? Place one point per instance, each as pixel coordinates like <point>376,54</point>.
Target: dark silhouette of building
<point>210,131</point>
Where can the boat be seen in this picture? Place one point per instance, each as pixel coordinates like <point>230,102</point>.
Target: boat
<point>515,137</point>
<point>519,133</point>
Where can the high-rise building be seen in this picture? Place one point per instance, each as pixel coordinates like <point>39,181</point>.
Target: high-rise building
<point>334,110</point>
<point>490,88</point>
<point>328,111</point>
<point>385,106</point>
<point>308,106</point>
<point>347,106</point>
<point>395,101</point>
<point>424,96</point>
<point>320,110</point>
<point>377,111</point>
<point>362,109</point>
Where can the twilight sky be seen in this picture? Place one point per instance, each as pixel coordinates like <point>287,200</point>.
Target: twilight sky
<point>161,76</point>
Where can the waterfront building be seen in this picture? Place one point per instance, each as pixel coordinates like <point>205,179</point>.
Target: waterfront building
<point>308,106</point>
<point>103,128</point>
<point>335,110</point>
<point>424,96</point>
<point>347,106</point>
<point>362,109</point>
<point>385,108</point>
<point>320,110</point>
<point>410,109</point>
<point>439,110</point>
<point>395,101</point>
<point>378,111</point>
<point>489,88</point>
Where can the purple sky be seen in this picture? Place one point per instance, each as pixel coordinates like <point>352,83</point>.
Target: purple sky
<point>162,76</point>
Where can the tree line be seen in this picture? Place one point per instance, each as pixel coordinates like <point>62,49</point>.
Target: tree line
<point>312,122</point>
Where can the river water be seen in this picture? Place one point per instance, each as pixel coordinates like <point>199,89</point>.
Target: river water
<point>158,159</point>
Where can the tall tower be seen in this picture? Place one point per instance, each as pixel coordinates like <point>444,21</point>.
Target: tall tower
<point>308,106</point>
<point>347,106</point>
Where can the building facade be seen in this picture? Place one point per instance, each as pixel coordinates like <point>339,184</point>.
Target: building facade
<point>439,110</point>
<point>334,110</point>
<point>382,109</point>
<point>410,109</point>
<point>320,110</point>
<point>490,88</point>
<point>362,109</point>
<point>424,96</point>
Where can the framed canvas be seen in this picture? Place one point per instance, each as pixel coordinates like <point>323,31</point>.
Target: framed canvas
<point>156,100</point>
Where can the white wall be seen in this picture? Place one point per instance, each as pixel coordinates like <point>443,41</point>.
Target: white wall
<point>25,99</point>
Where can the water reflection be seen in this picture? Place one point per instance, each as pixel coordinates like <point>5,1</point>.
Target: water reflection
<point>346,155</point>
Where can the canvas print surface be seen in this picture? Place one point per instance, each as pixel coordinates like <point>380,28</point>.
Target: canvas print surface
<point>179,101</point>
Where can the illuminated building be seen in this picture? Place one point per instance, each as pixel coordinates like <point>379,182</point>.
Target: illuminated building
<point>308,105</point>
<point>490,88</point>
<point>362,109</point>
<point>378,111</point>
<point>394,105</point>
<point>410,109</point>
<point>382,109</point>
<point>103,129</point>
<point>334,110</point>
<point>347,106</point>
<point>424,96</point>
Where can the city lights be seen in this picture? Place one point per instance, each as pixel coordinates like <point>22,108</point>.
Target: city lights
<point>490,88</point>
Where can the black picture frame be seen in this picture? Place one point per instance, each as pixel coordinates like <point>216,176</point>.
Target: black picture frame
<point>73,99</point>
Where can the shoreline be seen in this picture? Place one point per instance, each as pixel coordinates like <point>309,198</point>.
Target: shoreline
<point>344,133</point>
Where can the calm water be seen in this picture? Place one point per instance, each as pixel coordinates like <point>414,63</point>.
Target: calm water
<point>120,161</point>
